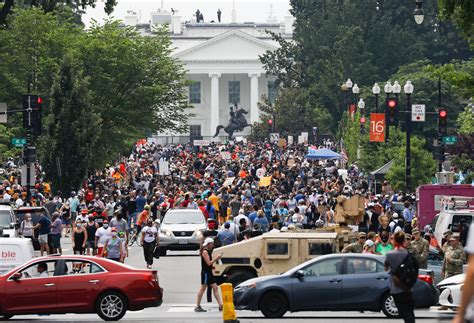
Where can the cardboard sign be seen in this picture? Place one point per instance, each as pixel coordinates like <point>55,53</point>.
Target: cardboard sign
<point>281,143</point>
<point>202,143</point>
<point>377,127</point>
<point>164,168</point>
<point>290,140</point>
<point>229,181</point>
<point>265,181</point>
<point>225,155</point>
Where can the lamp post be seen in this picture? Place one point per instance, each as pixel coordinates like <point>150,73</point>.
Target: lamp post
<point>387,89</point>
<point>396,88</point>
<point>376,92</point>
<point>355,91</point>
<point>418,12</point>
<point>361,105</point>
<point>408,89</point>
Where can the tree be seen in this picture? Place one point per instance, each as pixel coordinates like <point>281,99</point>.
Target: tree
<point>6,149</point>
<point>462,12</point>
<point>423,166</point>
<point>466,121</point>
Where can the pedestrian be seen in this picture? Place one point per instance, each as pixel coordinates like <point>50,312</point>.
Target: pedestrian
<point>44,229</point>
<point>384,246</point>
<point>207,278</point>
<point>27,227</point>
<point>358,246</point>
<point>421,248</point>
<point>91,228</point>
<point>56,229</point>
<point>101,236</point>
<point>454,258</point>
<point>369,247</point>
<point>113,247</point>
<point>79,238</point>
<point>226,236</point>
<point>262,221</point>
<point>402,294</point>
<point>149,238</point>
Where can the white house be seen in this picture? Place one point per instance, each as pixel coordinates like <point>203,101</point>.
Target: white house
<point>223,61</point>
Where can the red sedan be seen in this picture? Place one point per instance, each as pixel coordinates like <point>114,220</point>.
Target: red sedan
<point>78,284</point>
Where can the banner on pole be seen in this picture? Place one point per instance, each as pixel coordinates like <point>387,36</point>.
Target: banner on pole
<point>377,127</point>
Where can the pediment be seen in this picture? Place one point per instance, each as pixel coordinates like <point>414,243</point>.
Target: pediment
<point>232,45</point>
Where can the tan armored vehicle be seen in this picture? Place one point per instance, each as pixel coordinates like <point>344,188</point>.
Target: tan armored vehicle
<point>274,253</point>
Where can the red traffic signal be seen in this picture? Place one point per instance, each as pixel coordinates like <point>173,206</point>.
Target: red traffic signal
<point>391,111</point>
<point>40,100</point>
<point>362,120</point>
<point>270,121</point>
<point>442,121</point>
<point>443,113</point>
<point>392,103</point>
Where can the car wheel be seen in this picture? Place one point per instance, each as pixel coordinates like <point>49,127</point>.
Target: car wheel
<point>162,252</point>
<point>388,306</point>
<point>273,305</point>
<point>111,306</point>
<point>239,276</point>
<point>4,317</point>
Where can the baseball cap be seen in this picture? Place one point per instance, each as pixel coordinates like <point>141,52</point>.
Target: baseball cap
<point>368,243</point>
<point>455,236</point>
<point>448,232</point>
<point>415,231</point>
<point>395,215</point>
<point>362,235</point>
<point>207,241</point>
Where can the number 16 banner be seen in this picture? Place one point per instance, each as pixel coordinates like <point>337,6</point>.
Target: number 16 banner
<point>377,127</point>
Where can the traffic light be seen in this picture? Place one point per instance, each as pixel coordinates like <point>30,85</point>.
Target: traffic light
<point>362,125</point>
<point>32,106</point>
<point>270,122</point>
<point>29,155</point>
<point>443,121</point>
<point>391,111</point>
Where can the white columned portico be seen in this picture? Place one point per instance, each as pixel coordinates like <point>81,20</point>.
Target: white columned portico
<point>214,101</point>
<point>254,113</point>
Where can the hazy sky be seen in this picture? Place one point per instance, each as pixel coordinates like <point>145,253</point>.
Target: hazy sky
<point>255,11</point>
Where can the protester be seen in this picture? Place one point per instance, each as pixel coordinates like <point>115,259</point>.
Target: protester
<point>149,237</point>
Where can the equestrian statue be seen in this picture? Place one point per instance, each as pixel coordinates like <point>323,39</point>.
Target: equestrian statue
<point>237,122</point>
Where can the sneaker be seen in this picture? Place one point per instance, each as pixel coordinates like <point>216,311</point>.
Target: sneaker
<point>199,309</point>
<point>220,308</point>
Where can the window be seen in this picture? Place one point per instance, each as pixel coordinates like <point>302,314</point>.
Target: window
<point>195,132</point>
<point>234,92</point>
<point>278,249</point>
<point>41,269</point>
<point>323,268</point>
<point>320,248</point>
<point>363,266</point>
<point>195,93</point>
<point>78,267</point>
<point>272,91</point>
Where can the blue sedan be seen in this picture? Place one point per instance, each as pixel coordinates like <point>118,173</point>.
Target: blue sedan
<point>336,282</point>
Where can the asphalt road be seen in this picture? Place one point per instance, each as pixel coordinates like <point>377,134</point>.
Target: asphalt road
<point>179,276</point>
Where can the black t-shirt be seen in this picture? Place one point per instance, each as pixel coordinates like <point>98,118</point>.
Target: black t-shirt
<point>132,206</point>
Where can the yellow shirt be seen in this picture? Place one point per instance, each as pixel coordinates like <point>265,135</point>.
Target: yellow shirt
<point>215,201</point>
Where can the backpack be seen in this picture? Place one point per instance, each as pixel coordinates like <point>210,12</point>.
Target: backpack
<point>406,275</point>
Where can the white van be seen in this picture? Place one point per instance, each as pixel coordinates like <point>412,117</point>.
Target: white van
<point>14,252</point>
<point>8,228</point>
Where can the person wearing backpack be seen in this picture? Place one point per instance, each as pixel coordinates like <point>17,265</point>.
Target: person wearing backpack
<point>403,271</point>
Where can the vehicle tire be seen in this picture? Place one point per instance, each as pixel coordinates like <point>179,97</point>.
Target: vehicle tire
<point>111,306</point>
<point>5,317</point>
<point>162,252</point>
<point>388,306</point>
<point>273,304</point>
<point>239,276</point>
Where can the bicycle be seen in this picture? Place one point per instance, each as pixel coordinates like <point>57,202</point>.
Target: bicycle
<point>134,236</point>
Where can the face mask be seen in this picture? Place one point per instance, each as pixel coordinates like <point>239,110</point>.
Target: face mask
<point>106,226</point>
<point>384,239</point>
<point>78,225</point>
<point>114,234</point>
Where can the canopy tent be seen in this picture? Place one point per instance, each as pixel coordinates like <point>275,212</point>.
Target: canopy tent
<point>323,153</point>
<point>382,170</point>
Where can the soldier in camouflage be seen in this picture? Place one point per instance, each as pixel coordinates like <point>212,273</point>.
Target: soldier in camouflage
<point>358,246</point>
<point>447,236</point>
<point>454,258</point>
<point>421,248</point>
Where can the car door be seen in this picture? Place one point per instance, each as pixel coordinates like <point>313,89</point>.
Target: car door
<point>79,284</point>
<point>320,286</point>
<point>33,292</point>
<point>363,282</point>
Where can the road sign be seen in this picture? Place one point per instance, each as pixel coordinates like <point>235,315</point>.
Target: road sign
<point>377,127</point>
<point>418,112</point>
<point>18,142</point>
<point>274,137</point>
<point>3,112</point>
<point>449,140</point>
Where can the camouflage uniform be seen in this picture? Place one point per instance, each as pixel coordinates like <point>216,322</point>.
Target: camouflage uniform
<point>355,247</point>
<point>454,265</point>
<point>445,247</point>
<point>421,249</point>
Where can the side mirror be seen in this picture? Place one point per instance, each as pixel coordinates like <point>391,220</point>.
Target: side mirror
<point>299,274</point>
<point>17,276</point>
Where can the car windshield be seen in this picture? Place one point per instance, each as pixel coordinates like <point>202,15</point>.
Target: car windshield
<point>5,219</point>
<point>183,218</point>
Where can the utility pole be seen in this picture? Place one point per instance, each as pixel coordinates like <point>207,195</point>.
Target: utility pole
<point>440,135</point>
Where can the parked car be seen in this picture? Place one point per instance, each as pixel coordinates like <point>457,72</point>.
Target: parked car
<point>337,282</point>
<point>181,229</point>
<point>450,294</point>
<point>36,212</point>
<point>78,284</point>
<point>7,221</point>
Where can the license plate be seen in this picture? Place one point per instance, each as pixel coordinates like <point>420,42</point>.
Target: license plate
<point>182,241</point>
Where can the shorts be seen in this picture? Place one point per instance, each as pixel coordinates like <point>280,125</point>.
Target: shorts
<point>99,251</point>
<point>43,238</point>
<point>67,221</point>
<point>207,278</point>
<point>90,244</point>
<point>78,250</point>
<point>56,240</point>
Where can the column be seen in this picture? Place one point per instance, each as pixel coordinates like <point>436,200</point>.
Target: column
<point>254,113</point>
<point>214,101</point>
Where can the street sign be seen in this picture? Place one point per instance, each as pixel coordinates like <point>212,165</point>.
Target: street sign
<point>3,112</point>
<point>274,137</point>
<point>377,127</point>
<point>449,140</point>
<point>18,142</point>
<point>418,112</point>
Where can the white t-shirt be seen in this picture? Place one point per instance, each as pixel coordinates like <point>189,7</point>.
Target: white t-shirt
<point>103,234</point>
<point>150,233</point>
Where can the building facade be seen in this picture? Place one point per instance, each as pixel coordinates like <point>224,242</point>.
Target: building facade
<point>222,61</point>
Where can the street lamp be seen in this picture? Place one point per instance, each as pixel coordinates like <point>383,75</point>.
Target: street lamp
<point>376,92</point>
<point>349,83</point>
<point>418,12</point>
<point>408,89</point>
<point>355,90</point>
<point>361,105</point>
<point>387,88</point>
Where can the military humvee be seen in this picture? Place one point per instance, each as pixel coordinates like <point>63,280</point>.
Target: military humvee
<point>275,253</point>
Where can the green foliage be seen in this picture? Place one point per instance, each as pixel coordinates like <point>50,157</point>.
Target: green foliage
<point>6,149</point>
<point>350,131</point>
<point>466,121</point>
<point>462,12</point>
<point>423,165</point>
<point>131,85</point>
